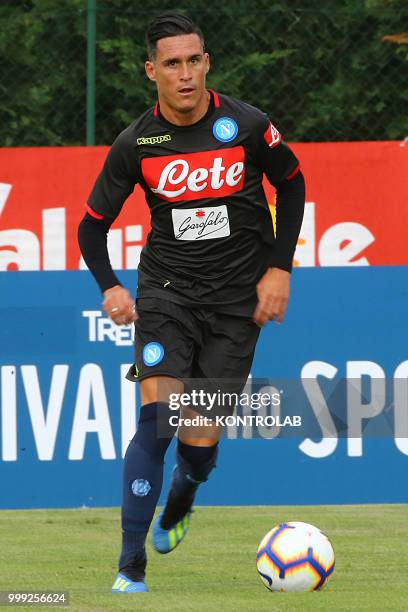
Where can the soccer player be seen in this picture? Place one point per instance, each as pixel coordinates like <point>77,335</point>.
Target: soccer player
<point>211,273</point>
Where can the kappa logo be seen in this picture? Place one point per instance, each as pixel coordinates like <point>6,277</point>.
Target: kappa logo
<point>153,139</point>
<point>207,174</point>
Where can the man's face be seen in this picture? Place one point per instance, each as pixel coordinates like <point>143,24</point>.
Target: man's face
<point>179,70</point>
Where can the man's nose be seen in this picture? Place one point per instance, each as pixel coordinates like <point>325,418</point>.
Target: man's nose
<point>185,71</point>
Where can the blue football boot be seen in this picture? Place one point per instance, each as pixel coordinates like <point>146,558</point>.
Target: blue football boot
<point>166,540</point>
<point>123,584</point>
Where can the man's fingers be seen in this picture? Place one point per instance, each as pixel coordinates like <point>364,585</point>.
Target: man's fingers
<point>273,295</point>
<point>270,311</point>
<point>121,311</point>
<point>124,318</point>
<point>260,315</point>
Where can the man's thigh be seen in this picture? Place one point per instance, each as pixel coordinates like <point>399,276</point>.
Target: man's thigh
<point>168,341</point>
<point>174,344</point>
<point>225,359</point>
<point>164,341</point>
<point>228,347</point>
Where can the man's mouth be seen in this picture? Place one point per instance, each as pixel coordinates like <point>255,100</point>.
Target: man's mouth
<point>186,90</point>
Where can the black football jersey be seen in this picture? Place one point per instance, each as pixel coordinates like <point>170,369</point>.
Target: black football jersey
<point>211,235</point>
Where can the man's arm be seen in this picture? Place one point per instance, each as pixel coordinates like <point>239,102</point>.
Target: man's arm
<point>113,185</point>
<point>92,238</point>
<point>283,171</point>
<point>274,287</point>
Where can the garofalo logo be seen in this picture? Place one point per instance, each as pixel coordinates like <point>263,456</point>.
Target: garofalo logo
<point>153,139</point>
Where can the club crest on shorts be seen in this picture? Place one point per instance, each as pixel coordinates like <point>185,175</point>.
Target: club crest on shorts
<point>141,487</point>
<point>225,129</point>
<point>153,353</point>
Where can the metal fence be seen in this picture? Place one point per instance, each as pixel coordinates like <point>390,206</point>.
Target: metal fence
<point>72,71</point>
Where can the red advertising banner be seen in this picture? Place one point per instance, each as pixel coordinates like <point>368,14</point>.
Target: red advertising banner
<point>356,211</point>
<point>357,194</point>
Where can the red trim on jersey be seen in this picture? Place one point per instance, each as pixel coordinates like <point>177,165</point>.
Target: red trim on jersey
<point>215,97</point>
<point>212,92</point>
<point>292,174</point>
<point>272,136</point>
<point>93,214</point>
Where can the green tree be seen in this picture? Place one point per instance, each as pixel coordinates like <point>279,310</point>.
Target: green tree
<point>320,73</point>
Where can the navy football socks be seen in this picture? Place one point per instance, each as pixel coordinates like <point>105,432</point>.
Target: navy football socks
<point>142,482</point>
<point>194,464</point>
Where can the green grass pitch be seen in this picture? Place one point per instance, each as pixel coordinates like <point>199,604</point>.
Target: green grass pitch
<point>214,568</point>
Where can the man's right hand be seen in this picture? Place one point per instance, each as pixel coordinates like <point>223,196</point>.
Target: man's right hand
<point>119,306</point>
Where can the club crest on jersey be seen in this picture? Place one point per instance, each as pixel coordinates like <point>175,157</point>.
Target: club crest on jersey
<point>225,129</point>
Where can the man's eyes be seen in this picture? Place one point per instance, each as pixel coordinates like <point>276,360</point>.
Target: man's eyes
<point>174,63</point>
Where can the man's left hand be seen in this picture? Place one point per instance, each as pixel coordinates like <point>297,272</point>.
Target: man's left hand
<point>273,296</point>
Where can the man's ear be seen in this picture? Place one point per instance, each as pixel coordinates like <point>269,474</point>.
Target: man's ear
<point>150,71</point>
<point>207,60</point>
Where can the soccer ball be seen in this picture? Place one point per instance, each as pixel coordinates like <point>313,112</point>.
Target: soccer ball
<point>295,556</point>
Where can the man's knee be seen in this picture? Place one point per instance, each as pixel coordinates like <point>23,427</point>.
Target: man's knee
<point>154,431</point>
<point>159,388</point>
<point>196,462</point>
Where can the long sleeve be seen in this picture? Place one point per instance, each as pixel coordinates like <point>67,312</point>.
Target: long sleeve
<point>92,238</point>
<point>114,184</point>
<point>282,169</point>
<point>290,203</point>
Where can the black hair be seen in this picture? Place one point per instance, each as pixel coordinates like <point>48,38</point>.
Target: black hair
<point>169,24</point>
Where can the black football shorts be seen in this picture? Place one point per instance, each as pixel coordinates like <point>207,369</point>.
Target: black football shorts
<point>189,343</point>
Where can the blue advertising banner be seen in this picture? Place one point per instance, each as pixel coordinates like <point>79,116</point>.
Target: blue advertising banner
<point>67,412</point>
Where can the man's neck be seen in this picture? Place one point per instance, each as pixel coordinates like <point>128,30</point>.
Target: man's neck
<point>173,116</point>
